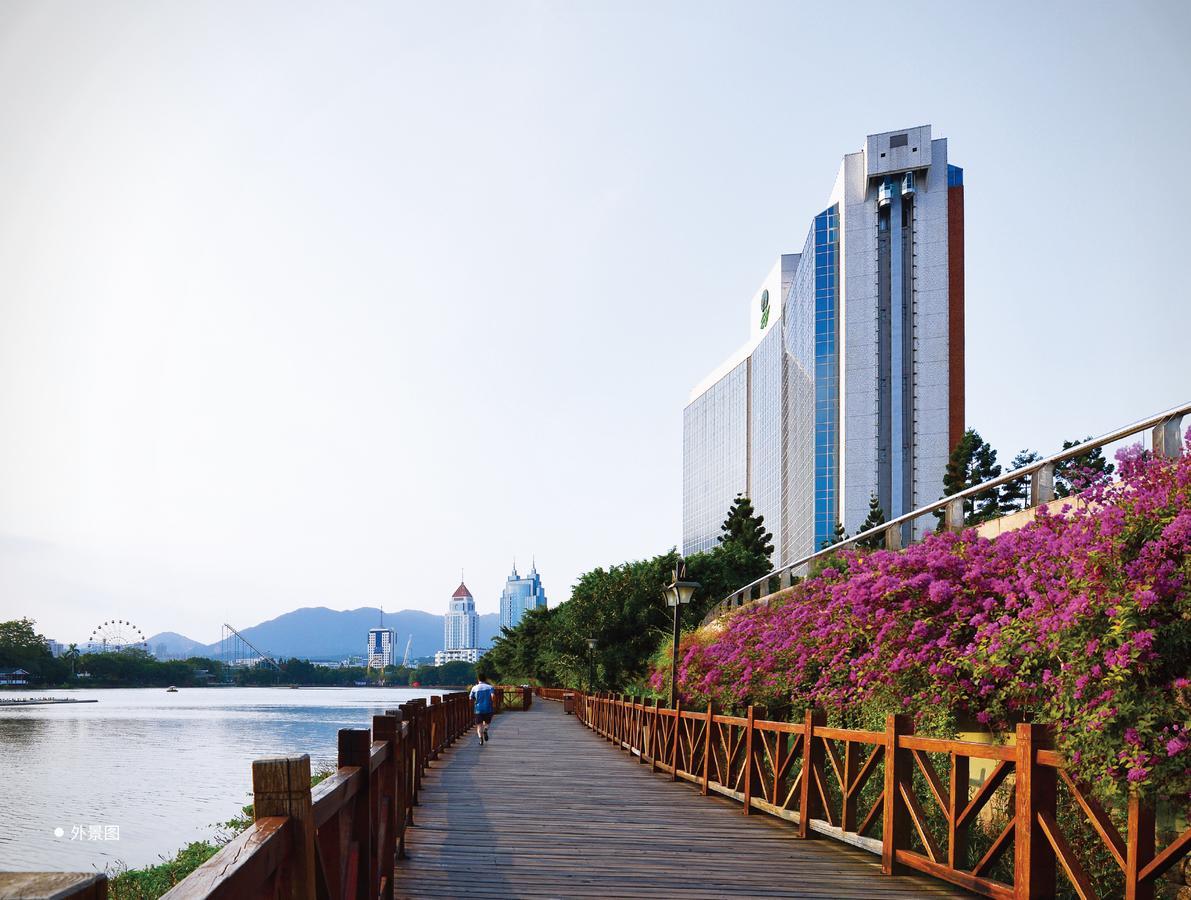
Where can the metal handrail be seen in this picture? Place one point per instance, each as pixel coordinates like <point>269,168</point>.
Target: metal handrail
<point>1167,442</point>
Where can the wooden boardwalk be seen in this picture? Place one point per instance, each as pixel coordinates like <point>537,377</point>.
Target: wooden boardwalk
<point>550,809</point>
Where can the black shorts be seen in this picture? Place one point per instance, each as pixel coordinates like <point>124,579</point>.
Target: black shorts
<point>485,718</point>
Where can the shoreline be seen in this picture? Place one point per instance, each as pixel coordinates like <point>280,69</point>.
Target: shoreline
<point>202,687</point>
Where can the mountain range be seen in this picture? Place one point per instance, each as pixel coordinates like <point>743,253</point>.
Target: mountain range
<point>317,632</point>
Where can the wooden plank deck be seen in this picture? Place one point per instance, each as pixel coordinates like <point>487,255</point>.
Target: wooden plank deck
<point>550,809</point>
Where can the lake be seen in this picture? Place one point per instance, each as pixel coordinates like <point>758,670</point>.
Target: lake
<point>161,768</point>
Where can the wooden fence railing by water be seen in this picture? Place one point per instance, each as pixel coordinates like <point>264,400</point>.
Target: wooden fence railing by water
<point>342,838</point>
<point>867,788</point>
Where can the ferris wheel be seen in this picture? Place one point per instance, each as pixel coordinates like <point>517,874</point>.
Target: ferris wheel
<point>117,635</point>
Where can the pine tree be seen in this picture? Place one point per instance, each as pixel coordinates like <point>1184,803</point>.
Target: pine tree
<point>838,535</point>
<point>1075,474</point>
<point>746,529</point>
<point>1014,494</point>
<point>876,517</point>
<point>972,462</point>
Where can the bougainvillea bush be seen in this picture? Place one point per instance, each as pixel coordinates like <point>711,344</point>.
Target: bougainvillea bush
<point>1081,619</point>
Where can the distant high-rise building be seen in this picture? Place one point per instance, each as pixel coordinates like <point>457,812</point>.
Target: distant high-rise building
<point>852,382</point>
<point>519,595</point>
<point>382,648</point>
<point>460,623</point>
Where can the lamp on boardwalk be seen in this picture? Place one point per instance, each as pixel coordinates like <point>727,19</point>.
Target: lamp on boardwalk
<point>591,645</point>
<point>678,593</point>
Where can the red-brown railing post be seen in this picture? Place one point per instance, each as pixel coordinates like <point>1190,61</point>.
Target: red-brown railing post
<point>809,804</point>
<point>653,737</point>
<point>281,787</point>
<point>355,749</point>
<point>1139,848</point>
<point>413,713</point>
<point>748,761</point>
<point>957,838</point>
<point>1034,791</point>
<point>674,740</point>
<point>387,728</point>
<point>435,720</point>
<point>899,774</point>
<point>401,791</point>
<point>707,747</point>
<point>626,722</point>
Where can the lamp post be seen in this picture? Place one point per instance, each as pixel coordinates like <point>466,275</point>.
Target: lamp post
<point>678,593</point>
<point>591,645</point>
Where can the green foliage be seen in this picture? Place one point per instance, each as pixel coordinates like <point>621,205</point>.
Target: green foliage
<point>876,518</point>
<point>452,673</point>
<point>21,647</point>
<point>972,462</point>
<point>622,608</point>
<point>136,668</point>
<point>746,529</point>
<point>839,534</point>
<point>1014,495</point>
<point>153,881</point>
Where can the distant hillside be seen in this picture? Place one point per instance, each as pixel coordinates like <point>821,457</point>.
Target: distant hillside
<point>171,644</point>
<point>319,632</point>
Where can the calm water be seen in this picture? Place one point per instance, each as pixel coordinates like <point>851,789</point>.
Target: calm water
<point>163,768</point>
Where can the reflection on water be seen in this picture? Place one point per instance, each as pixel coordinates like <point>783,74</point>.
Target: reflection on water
<point>163,768</point>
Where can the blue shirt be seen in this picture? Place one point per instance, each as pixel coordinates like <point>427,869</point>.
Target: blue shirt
<point>482,694</point>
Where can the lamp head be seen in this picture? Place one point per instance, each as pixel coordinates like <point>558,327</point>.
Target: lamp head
<point>680,591</point>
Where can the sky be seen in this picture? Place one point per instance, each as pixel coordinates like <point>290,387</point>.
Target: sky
<point>321,304</point>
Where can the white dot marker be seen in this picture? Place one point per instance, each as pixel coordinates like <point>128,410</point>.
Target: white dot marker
<point>58,832</point>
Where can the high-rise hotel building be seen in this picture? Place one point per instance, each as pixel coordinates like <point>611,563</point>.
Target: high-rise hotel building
<point>852,381</point>
<point>460,623</point>
<point>519,595</point>
<point>382,648</point>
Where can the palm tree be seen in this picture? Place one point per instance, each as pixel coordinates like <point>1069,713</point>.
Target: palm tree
<point>72,653</point>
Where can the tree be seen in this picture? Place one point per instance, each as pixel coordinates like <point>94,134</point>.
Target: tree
<point>839,534</point>
<point>72,653</point>
<point>21,647</point>
<point>622,609</point>
<point>972,462</point>
<point>875,519</point>
<point>747,529</point>
<point>1080,472</point>
<point>1013,494</point>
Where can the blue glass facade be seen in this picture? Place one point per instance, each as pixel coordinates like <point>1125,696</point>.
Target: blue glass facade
<point>826,256</point>
<point>865,396</point>
<point>519,595</point>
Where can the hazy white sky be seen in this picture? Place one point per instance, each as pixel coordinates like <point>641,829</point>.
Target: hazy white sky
<point>317,303</point>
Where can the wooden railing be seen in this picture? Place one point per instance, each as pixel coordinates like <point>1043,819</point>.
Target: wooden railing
<point>513,698</point>
<point>340,839</point>
<point>555,694</point>
<point>866,788</point>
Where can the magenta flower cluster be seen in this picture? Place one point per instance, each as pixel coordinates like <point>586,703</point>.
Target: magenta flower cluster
<point>1081,619</point>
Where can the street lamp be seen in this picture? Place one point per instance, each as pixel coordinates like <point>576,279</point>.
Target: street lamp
<point>678,593</point>
<point>591,645</point>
